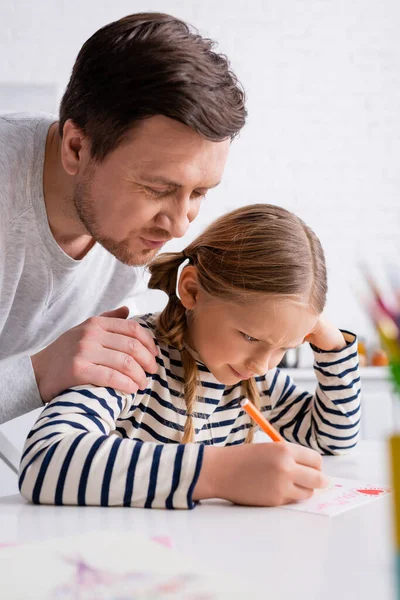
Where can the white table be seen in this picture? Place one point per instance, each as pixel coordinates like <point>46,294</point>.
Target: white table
<point>290,554</point>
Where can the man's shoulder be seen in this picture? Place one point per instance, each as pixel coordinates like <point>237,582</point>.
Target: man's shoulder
<point>24,120</point>
<point>19,133</point>
<point>16,129</point>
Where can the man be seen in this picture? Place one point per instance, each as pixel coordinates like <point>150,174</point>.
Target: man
<point>144,131</point>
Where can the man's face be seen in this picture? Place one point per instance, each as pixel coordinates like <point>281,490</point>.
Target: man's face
<point>149,189</point>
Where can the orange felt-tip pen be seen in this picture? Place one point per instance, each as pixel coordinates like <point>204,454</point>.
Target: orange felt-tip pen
<point>261,420</point>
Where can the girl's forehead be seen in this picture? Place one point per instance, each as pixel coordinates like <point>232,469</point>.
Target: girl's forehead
<point>263,304</point>
<point>273,319</point>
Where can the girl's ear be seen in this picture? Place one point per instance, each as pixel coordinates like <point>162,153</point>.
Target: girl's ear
<point>188,287</point>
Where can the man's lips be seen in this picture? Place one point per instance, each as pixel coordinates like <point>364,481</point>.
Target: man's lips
<point>153,243</point>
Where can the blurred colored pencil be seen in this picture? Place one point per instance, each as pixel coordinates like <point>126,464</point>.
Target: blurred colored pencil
<point>387,323</point>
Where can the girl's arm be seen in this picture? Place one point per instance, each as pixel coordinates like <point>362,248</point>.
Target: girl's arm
<point>329,420</point>
<point>73,456</point>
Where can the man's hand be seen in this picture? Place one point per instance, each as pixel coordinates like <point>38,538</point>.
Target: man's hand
<point>106,351</point>
<point>326,336</point>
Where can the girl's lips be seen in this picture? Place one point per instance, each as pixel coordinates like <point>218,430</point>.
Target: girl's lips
<point>240,375</point>
<point>153,243</point>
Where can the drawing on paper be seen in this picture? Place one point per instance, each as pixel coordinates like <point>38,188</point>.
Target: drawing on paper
<point>340,495</point>
<point>91,583</point>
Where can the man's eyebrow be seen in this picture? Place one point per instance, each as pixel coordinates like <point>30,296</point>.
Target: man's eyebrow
<point>166,181</point>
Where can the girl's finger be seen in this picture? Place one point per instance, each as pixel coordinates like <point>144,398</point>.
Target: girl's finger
<point>309,478</point>
<point>300,493</point>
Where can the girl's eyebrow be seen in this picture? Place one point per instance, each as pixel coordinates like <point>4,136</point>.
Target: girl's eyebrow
<point>283,347</point>
<point>269,343</point>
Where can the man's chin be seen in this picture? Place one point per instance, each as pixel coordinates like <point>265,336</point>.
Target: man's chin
<point>138,258</point>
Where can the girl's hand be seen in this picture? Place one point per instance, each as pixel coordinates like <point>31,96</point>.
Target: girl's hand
<point>326,336</point>
<point>267,474</point>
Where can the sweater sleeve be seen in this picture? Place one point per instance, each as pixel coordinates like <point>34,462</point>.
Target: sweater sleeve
<point>328,420</point>
<point>74,455</point>
<point>19,393</point>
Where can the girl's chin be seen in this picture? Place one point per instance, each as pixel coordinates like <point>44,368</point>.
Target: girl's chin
<point>226,378</point>
<point>224,375</point>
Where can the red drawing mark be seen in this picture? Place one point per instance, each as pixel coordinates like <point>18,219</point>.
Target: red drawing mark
<point>164,540</point>
<point>371,492</point>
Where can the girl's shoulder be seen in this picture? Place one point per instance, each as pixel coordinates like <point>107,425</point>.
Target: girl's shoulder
<point>148,321</point>
<point>169,358</point>
<point>273,382</point>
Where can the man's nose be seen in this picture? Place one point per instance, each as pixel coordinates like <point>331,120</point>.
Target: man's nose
<point>179,225</point>
<point>182,214</point>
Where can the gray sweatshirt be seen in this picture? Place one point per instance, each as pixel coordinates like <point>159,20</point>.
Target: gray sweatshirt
<point>43,291</point>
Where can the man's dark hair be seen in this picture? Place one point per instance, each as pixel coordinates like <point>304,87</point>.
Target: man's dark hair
<point>150,64</point>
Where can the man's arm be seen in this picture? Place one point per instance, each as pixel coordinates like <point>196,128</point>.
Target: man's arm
<point>19,393</point>
<point>9,454</point>
<point>106,351</point>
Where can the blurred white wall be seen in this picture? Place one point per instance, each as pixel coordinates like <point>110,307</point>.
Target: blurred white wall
<point>323,135</point>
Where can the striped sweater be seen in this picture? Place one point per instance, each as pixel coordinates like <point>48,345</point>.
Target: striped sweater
<point>99,446</point>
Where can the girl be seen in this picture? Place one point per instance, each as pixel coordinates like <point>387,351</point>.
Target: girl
<point>254,286</point>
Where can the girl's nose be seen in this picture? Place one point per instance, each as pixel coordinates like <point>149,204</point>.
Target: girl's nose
<point>259,366</point>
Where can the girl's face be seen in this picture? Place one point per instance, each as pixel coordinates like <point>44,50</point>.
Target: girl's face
<point>238,341</point>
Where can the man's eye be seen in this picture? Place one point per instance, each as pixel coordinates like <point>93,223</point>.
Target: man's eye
<point>196,195</point>
<point>248,337</point>
<point>156,193</point>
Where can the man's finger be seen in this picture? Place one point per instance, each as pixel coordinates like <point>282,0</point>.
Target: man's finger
<point>106,377</point>
<point>131,329</point>
<point>121,362</point>
<point>118,313</point>
<point>131,346</point>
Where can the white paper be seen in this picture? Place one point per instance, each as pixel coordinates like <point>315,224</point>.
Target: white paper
<point>109,566</point>
<point>340,495</point>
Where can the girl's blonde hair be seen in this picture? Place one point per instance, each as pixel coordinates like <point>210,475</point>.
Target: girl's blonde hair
<point>256,249</point>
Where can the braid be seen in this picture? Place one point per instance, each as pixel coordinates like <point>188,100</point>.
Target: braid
<point>250,391</point>
<point>170,330</point>
<point>191,376</point>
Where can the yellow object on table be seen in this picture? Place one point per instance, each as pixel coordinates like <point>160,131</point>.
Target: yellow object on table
<point>394,442</point>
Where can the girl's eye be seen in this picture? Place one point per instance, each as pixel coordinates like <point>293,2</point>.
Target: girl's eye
<point>248,337</point>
